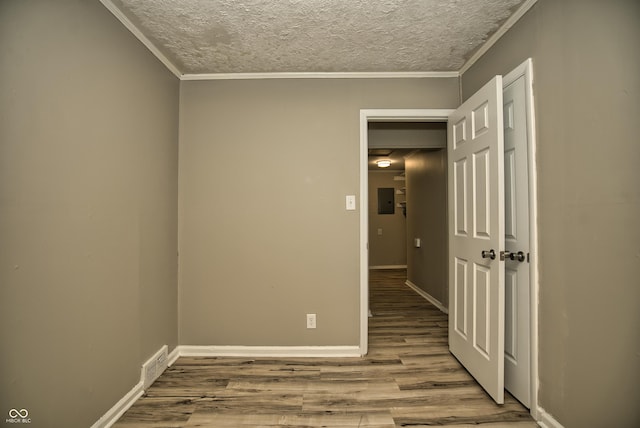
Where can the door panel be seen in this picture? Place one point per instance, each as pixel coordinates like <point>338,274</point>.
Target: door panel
<point>510,317</point>
<point>460,300</point>
<point>476,189</point>
<point>481,195</point>
<point>510,212</point>
<point>482,310</point>
<point>460,197</point>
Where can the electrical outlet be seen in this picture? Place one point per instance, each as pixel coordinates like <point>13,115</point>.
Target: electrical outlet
<point>311,320</point>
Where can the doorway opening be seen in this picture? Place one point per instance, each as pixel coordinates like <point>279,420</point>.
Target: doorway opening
<point>413,235</point>
<point>387,117</point>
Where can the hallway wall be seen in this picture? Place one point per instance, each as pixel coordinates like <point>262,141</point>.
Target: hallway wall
<point>390,248</point>
<point>426,173</point>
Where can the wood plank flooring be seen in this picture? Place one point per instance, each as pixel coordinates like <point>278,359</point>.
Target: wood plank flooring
<point>408,379</point>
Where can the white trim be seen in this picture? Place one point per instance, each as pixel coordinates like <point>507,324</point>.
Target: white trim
<point>319,75</point>
<point>173,356</point>
<point>114,413</point>
<point>510,22</point>
<point>379,115</point>
<point>533,236</point>
<point>145,41</point>
<point>405,115</point>
<point>526,70</point>
<point>364,231</point>
<point>519,71</point>
<point>269,351</point>
<point>545,420</point>
<point>435,302</point>
<point>387,267</point>
<point>158,362</point>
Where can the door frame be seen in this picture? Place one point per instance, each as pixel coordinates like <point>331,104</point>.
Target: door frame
<point>367,116</point>
<point>442,115</point>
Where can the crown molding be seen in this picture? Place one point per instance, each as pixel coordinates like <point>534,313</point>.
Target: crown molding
<point>510,22</point>
<point>319,75</point>
<point>145,41</point>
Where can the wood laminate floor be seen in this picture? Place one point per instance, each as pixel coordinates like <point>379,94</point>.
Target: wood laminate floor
<point>408,379</point>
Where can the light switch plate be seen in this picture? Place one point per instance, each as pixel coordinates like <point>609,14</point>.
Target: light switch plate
<point>351,202</point>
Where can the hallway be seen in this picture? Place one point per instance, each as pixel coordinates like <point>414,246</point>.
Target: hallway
<point>409,378</point>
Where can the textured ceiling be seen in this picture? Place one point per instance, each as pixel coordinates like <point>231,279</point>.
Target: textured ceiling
<point>264,36</point>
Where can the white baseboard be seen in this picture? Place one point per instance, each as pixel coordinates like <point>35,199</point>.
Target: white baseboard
<point>173,356</point>
<point>545,420</point>
<point>435,302</point>
<point>114,413</point>
<point>269,351</point>
<point>151,370</point>
<point>387,267</point>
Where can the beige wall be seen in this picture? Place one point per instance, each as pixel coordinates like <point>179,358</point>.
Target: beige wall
<point>426,173</point>
<point>390,248</point>
<point>88,210</point>
<point>586,63</point>
<point>264,236</point>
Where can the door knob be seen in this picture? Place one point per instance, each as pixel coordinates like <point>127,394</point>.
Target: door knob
<point>491,254</point>
<point>519,256</point>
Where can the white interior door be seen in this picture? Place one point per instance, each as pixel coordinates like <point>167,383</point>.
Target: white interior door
<point>476,236</point>
<point>517,372</point>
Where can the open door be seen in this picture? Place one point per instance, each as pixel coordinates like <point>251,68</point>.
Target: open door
<point>476,237</point>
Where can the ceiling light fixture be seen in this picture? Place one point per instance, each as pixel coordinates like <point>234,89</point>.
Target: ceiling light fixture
<point>383,163</point>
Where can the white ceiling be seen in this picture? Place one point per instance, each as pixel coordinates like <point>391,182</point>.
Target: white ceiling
<point>313,36</point>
